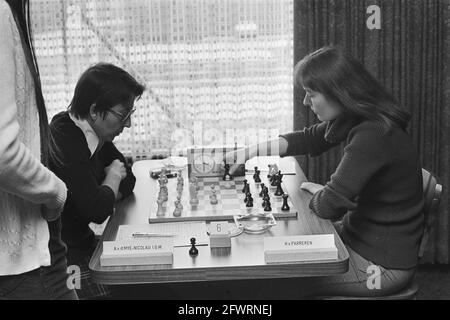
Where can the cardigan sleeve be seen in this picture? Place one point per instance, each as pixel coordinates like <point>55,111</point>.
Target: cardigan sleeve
<point>92,202</point>
<point>367,152</point>
<point>21,172</point>
<point>309,141</point>
<point>109,154</point>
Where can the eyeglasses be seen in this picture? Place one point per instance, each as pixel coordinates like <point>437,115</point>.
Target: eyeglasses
<point>121,117</point>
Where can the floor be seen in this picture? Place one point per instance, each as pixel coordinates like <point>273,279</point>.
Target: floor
<point>434,282</point>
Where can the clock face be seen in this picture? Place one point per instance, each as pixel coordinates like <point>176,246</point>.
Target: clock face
<point>204,163</point>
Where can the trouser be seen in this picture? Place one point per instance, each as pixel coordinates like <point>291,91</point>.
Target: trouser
<point>44,283</point>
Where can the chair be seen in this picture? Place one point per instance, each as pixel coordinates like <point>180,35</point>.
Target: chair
<point>432,195</point>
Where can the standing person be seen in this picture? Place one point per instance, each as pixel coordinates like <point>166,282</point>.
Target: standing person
<point>377,186</point>
<point>32,255</point>
<point>88,162</point>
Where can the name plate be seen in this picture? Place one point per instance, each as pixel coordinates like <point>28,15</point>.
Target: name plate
<point>156,250</point>
<point>300,248</point>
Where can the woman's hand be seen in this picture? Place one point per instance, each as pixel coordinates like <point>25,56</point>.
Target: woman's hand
<point>311,187</point>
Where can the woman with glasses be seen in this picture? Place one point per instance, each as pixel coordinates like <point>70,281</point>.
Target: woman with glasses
<point>88,162</point>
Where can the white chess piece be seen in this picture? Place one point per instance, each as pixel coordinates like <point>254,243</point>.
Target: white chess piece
<point>213,196</point>
<point>160,211</point>
<point>193,194</point>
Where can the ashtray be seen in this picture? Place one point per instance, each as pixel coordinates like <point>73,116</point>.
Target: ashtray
<point>255,222</point>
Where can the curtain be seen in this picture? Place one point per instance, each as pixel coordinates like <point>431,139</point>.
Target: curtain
<point>216,71</point>
<point>409,54</point>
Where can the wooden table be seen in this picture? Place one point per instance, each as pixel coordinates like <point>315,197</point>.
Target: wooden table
<point>245,259</point>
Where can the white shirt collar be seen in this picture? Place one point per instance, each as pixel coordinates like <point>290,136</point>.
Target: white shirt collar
<point>91,137</point>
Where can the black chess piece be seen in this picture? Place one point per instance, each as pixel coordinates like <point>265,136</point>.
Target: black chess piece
<point>244,189</point>
<point>248,195</point>
<point>261,194</point>
<point>249,202</point>
<point>279,191</point>
<point>274,180</point>
<point>257,177</point>
<point>285,206</point>
<point>267,207</point>
<point>266,199</point>
<point>193,251</point>
<point>227,176</point>
<point>280,176</point>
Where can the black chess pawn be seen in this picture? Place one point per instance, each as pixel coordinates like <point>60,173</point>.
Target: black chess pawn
<point>257,177</point>
<point>227,175</point>
<point>285,206</point>
<point>249,202</point>
<point>270,169</point>
<point>279,191</point>
<point>266,199</point>
<point>244,189</point>
<point>267,207</point>
<point>261,194</point>
<point>193,251</point>
<point>247,196</point>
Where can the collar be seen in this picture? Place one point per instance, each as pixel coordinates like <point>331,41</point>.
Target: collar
<point>338,129</point>
<point>91,137</point>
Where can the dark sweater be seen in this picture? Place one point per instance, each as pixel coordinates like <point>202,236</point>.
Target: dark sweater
<point>377,186</point>
<point>87,201</point>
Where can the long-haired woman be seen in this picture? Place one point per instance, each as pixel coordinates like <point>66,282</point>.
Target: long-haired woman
<point>377,187</point>
<point>32,255</point>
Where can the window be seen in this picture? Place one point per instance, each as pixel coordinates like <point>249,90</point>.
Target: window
<point>238,80</point>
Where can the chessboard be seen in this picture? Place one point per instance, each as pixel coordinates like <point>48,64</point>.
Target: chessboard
<point>230,200</point>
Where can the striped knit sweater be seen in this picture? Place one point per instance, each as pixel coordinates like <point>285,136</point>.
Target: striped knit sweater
<point>377,187</point>
<point>25,184</point>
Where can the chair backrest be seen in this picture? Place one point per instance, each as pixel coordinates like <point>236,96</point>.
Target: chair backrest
<point>432,195</point>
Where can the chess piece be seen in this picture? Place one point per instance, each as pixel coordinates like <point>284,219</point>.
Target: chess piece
<point>248,195</point>
<point>160,211</point>
<point>193,194</point>
<point>274,180</point>
<point>249,201</point>
<point>178,207</point>
<point>285,206</point>
<point>267,207</point>
<point>256,176</point>
<point>213,196</point>
<point>279,191</point>
<point>193,251</point>
<point>266,199</point>
<point>269,174</point>
<point>226,175</point>
<point>244,189</point>
<point>261,194</point>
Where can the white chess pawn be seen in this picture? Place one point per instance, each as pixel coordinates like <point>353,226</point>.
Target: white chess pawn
<point>193,194</point>
<point>160,211</point>
<point>213,196</point>
<point>178,208</point>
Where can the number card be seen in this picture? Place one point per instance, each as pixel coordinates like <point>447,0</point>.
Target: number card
<point>219,234</point>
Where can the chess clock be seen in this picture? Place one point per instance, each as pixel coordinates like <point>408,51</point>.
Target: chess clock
<point>207,161</point>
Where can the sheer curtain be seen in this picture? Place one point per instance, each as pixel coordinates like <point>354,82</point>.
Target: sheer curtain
<point>216,71</point>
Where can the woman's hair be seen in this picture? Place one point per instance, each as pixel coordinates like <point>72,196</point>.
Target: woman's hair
<point>344,80</point>
<point>104,85</point>
<point>21,12</point>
